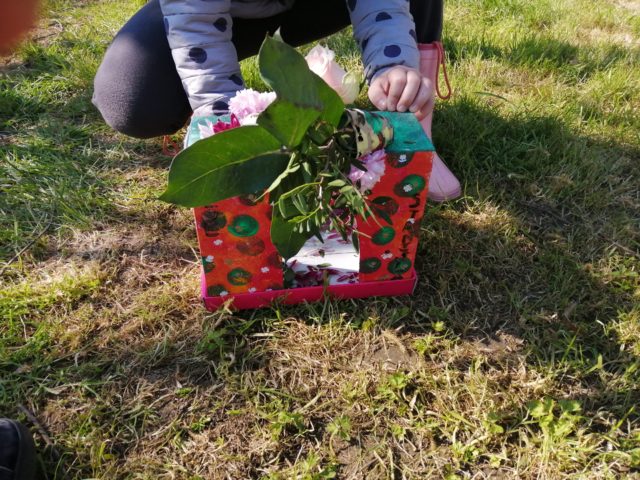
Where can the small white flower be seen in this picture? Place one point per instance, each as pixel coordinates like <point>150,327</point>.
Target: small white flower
<point>411,221</point>
<point>264,269</point>
<point>386,256</point>
<point>217,243</point>
<point>252,289</point>
<point>209,259</point>
<point>403,158</point>
<point>407,188</point>
<point>224,293</point>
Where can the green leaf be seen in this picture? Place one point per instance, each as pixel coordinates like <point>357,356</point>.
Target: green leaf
<point>287,241</point>
<point>333,106</point>
<point>308,171</point>
<point>355,240</point>
<point>287,121</point>
<point>337,183</point>
<point>286,208</point>
<point>300,203</point>
<point>235,162</point>
<point>570,406</point>
<point>288,74</point>
<point>286,172</point>
<point>302,96</point>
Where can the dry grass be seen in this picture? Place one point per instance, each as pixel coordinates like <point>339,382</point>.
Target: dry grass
<point>518,356</point>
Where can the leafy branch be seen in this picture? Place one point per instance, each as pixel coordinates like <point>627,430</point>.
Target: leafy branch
<point>300,154</point>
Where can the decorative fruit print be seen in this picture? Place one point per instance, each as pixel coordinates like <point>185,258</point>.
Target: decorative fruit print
<point>239,277</point>
<point>212,221</point>
<point>370,265</point>
<point>410,186</point>
<point>252,247</point>
<point>384,205</point>
<point>244,226</point>
<point>383,236</point>
<point>207,264</point>
<point>216,290</point>
<point>399,160</point>
<point>399,266</point>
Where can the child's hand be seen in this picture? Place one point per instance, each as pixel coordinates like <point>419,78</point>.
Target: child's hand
<point>402,89</point>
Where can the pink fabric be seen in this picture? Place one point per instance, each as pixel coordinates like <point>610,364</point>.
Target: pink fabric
<point>443,184</point>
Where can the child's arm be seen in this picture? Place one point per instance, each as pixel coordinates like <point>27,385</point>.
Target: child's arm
<point>199,34</point>
<point>386,35</point>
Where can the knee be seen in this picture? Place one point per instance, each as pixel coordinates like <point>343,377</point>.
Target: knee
<point>131,116</point>
<point>136,88</point>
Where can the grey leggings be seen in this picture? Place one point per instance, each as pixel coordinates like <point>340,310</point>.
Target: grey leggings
<point>139,93</point>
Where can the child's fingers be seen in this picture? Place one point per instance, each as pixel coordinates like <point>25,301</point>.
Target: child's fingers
<point>411,89</point>
<point>397,81</point>
<point>378,91</point>
<point>423,97</point>
<point>425,109</point>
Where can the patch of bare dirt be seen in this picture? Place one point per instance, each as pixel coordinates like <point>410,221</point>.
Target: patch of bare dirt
<point>631,5</point>
<point>598,35</point>
<point>390,354</point>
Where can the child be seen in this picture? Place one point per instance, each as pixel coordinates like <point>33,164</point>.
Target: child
<point>178,57</point>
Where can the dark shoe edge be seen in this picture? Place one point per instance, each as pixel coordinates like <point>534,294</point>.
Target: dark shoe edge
<point>25,468</point>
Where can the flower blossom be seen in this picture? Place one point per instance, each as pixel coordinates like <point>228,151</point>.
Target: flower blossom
<point>210,128</point>
<point>248,104</point>
<point>374,162</point>
<point>321,61</point>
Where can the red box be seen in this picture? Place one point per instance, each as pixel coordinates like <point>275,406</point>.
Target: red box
<point>240,262</point>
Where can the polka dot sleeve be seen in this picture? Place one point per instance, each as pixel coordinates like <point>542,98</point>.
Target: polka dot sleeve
<point>199,34</point>
<point>385,33</point>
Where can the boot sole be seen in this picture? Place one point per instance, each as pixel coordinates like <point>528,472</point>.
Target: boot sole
<point>440,198</point>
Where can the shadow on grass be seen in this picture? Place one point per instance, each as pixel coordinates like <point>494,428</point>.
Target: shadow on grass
<point>59,168</point>
<point>530,273</point>
<point>540,271</point>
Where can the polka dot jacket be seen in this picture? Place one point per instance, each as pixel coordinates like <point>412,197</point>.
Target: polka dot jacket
<point>199,34</point>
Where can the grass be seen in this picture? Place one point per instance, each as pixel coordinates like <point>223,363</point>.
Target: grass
<point>518,356</point>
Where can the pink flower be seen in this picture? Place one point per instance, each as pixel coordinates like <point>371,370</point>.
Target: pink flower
<point>248,103</point>
<point>374,163</point>
<point>210,128</point>
<point>321,62</point>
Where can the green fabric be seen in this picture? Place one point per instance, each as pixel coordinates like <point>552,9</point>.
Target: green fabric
<point>408,135</point>
<point>193,132</point>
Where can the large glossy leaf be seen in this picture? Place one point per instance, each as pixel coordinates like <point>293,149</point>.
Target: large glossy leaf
<point>235,162</point>
<point>333,106</point>
<point>287,122</point>
<point>298,104</point>
<point>286,71</point>
<point>287,241</point>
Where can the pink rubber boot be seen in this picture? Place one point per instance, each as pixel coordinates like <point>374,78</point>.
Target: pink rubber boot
<point>443,184</point>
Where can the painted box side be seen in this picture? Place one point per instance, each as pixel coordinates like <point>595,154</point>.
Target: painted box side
<point>240,262</point>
